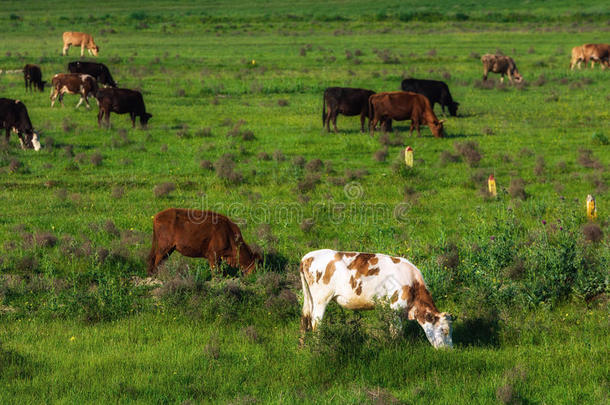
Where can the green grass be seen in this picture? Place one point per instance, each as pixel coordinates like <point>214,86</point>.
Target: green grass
<point>193,63</point>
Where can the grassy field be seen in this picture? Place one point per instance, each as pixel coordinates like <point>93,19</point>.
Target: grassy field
<point>235,90</point>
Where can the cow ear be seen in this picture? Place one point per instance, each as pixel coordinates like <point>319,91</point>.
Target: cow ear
<point>456,103</point>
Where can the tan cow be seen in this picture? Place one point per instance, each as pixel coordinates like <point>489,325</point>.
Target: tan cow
<point>73,83</point>
<point>597,53</point>
<point>81,39</point>
<point>504,65</point>
<point>578,56</point>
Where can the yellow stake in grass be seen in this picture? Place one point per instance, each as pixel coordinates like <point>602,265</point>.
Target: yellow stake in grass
<point>491,185</point>
<point>591,210</point>
<point>409,156</point>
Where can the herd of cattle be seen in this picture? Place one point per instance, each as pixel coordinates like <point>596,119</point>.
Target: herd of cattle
<point>354,280</point>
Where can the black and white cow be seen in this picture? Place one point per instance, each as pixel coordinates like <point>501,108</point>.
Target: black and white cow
<point>14,117</point>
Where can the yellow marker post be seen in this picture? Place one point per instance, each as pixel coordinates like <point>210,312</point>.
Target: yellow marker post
<point>409,156</point>
<point>491,185</point>
<point>591,210</point>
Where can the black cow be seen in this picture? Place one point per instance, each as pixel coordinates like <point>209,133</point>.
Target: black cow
<point>434,90</point>
<point>33,75</point>
<point>347,101</point>
<point>14,116</point>
<point>97,70</point>
<point>121,101</point>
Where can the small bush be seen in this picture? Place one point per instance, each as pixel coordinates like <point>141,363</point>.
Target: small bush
<point>299,161</point>
<point>225,169</point>
<point>469,150</point>
<point>163,189</point>
<point>206,164</point>
<point>118,192</point>
<point>307,224</point>
<point>447,157</point>
<point>540,166</point>
<point>599,139</point>
<point>586,159</point>
<point>96,159</point>
<point>516,189</point>
<point>45,239</point>
<point>278,156</point>
<point>264,156</point>
<point>381,155</point>
<point>111,229</point>
<point>314,165</point>
<point>592,233</point>
<point>282,102</point>
<point>308,183</point>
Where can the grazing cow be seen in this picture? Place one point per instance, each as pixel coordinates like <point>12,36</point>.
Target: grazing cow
<point>504,65</point>
<point>14,116</point>
<point>197,233</point>
<point>359,280</point>
<point>597,53</point>
<point>80,39</point>
<point>97,70</point>
<point>400,106</point>
<point>122,101</point>
<point>436,92</point>
<point>347,101</point>
<point>578,56</point>
<point>73,83</point>
<point>33,75</point>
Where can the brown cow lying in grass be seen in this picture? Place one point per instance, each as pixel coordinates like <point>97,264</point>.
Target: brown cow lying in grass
<point>81,39</point>
<point>197,233</point>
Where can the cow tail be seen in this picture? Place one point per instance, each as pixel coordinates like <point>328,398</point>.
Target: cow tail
<point>323,110</point>
<point>306,318</point>
<point>153,251</point>
<point>371,112</point>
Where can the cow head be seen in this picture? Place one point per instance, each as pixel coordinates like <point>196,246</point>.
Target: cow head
<point>439,331</point>
<point>144,118</point>
<point>30,141</point>
<point>42,85</point>
<point>95,50</point>
<point>453,108</point>
<point>437,128</point>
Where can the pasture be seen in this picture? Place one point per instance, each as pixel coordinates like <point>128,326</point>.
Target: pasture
<point>235,91</point>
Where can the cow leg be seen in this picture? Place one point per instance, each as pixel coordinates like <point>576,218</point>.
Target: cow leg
<point>373,124</point>
<point>133,119</point>
<point>100,114</point>
<point>159,257</point>
<point>87,101</point>
<point>317,313</point>
<point>82,50</point>
<point>362,120</point>
<point>108,118</point>
<point>485,71</point>
<point>65,50</point>
<point>8,134</point>
<point>80,101</point>
<point>53,97</point>
<point>335,121</point>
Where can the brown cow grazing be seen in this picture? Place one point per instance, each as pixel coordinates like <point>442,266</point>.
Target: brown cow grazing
<point>79,39</point>
<point>33,75</point>
<point>403,105</point>
<point>73,83</point>
<point>597,53</point>
<point>578,56</point>
<point>121,101</point>
<point>504,65</point>
<point>197,233</point>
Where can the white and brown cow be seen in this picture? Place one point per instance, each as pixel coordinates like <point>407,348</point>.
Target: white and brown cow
<point>73,83</point>
<point>82,39</point>
<point>359,280</point>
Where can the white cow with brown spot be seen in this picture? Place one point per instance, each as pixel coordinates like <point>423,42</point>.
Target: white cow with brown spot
<point>82,39</point>
<point>359,280</point>
<point>73,83</point>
